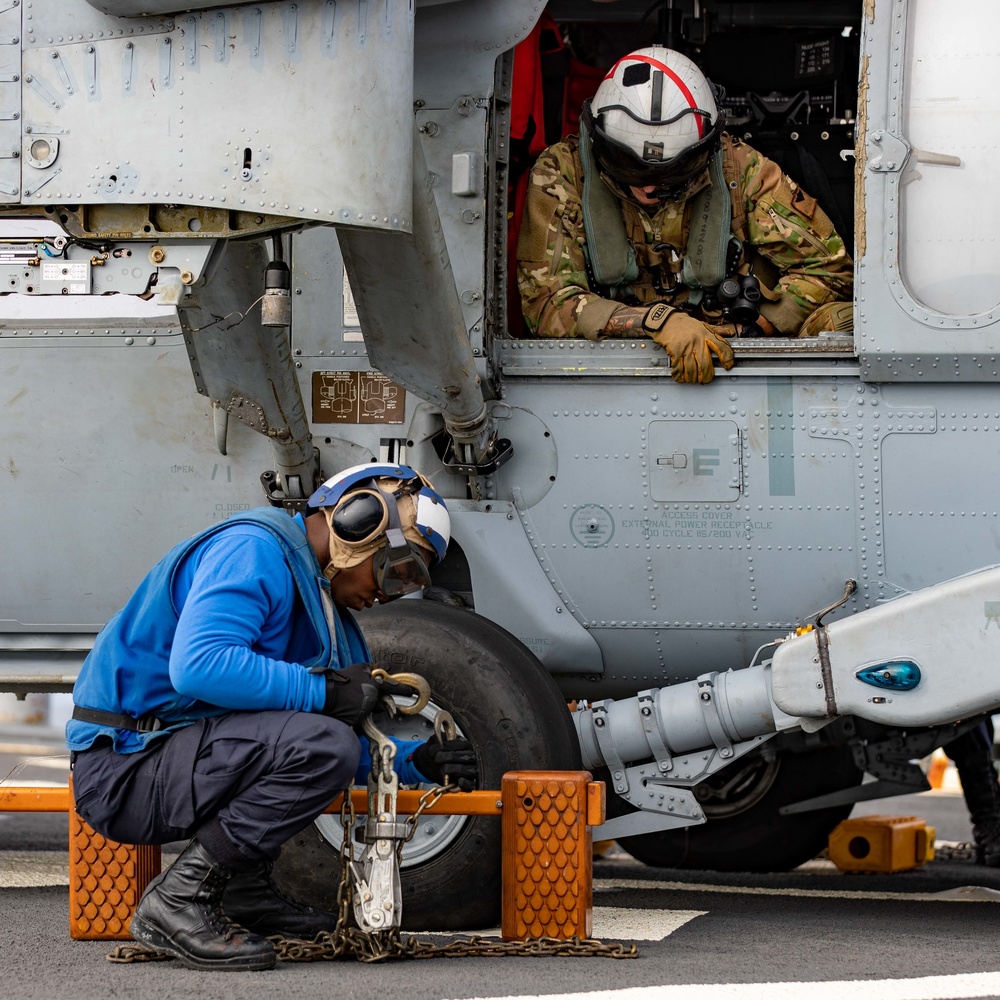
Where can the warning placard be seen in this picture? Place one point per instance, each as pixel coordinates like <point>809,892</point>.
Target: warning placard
<point>356,398</point>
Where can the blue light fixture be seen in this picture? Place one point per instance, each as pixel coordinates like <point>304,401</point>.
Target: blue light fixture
<point>896,675</point>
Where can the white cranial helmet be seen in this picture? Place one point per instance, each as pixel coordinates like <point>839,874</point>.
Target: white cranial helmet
<point>654,120</point>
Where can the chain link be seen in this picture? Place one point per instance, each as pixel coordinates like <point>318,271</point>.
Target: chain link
<point>955,852</point>
<point>345,944</point>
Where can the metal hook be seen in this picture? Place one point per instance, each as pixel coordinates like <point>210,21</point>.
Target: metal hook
<point>415,681</point>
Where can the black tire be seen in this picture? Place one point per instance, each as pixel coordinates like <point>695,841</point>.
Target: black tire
<point>505,704</point>
<point>747,833</point>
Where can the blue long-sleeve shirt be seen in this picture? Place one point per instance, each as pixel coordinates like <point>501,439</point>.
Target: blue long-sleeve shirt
<point>222,623</point>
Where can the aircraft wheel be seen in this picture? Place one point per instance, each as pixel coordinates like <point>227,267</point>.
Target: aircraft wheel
<point>506,704</point>
<point>745,831</point>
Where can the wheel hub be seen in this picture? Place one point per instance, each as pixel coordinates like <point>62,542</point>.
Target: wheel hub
<point>434,833</point>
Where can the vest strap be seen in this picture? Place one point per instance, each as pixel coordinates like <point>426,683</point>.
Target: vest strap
<point>611,258</point>
<point>146,724</point>
<point>710,234</point>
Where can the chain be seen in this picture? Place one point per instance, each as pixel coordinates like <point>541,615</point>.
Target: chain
<point>428,799</point>
<point>126,954</point>
<point>955,852</point>
<point>387,945</point>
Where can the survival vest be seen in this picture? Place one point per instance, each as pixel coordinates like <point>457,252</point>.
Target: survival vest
<point>150,619</point>
<point>711,242</point>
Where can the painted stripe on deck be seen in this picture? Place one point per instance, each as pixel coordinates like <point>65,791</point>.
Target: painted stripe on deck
<point>975,984</point>
<point>970,893</point>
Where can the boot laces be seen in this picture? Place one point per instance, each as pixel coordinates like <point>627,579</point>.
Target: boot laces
<point>216,917</point>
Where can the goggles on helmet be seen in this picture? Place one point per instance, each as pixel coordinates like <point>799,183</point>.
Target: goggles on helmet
<point>362,517</point>
<point>628,168</point>
<point>400,570</point>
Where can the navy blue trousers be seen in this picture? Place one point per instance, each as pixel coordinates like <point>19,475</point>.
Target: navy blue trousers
<point>260,776</point>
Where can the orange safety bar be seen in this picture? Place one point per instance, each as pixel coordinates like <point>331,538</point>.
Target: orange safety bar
<point>484,803</point>
<point>546,853</point>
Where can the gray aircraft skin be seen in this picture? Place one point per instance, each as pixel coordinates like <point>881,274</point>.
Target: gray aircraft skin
<point>647,543</point>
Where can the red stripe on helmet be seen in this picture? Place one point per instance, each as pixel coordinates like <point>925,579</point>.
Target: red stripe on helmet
<point>681,85</point>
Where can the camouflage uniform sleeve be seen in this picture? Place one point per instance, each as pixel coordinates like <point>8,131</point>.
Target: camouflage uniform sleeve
<point>551,271</point>
<point>787,226</point>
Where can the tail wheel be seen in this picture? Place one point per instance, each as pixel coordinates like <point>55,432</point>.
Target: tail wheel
<point>510,709</point>
<point>744,830</point>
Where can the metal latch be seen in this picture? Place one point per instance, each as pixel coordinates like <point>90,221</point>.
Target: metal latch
<point>378,894</point>
<point>678,460</point>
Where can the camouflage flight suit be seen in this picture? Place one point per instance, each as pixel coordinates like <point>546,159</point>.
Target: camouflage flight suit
<point>786,237</point>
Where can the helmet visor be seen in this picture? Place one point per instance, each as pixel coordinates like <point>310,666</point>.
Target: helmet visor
<point>627,167</point>
<point>400,570</point>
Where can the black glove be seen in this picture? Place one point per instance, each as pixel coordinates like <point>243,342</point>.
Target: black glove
<point>350,693</point>
<point>454,758</point>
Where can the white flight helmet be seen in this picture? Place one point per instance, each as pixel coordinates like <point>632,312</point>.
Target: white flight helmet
<point>654,120</point>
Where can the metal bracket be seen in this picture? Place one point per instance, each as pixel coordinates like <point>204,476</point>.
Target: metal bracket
<point>619,773</point>
<point>497,452</point>
<point>887,153</point>
<point>647,716</point>
<point>292,501</point>
<point>694,768</point>
<point>710,710</point>
<point>635,823</point>
<point>892,760</point>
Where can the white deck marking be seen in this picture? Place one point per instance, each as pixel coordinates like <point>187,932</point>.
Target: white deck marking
<point>615,923</point>
<point>964,894</point>
<point>33,869</point>
<point>612,923</point>
<point>974,984</point>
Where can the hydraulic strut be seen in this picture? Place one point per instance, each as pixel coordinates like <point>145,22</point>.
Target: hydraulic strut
<point>715,711</point>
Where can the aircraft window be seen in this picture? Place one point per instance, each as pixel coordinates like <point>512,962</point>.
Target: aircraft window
<point>949,250</point>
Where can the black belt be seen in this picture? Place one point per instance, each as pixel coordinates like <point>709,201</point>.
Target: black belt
<point>146,724</point>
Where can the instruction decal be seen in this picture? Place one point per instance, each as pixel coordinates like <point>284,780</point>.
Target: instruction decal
<point>356,398</point>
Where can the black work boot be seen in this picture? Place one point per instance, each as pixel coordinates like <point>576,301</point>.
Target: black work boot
<point>181,913</point>
<point>973,757</point>
<point>254,901</point>
<point>987,840</point>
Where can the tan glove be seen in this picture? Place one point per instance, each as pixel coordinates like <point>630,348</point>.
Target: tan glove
<point>689,342</point>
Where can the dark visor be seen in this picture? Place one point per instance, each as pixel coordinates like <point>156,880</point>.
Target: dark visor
<point>626,167</point>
